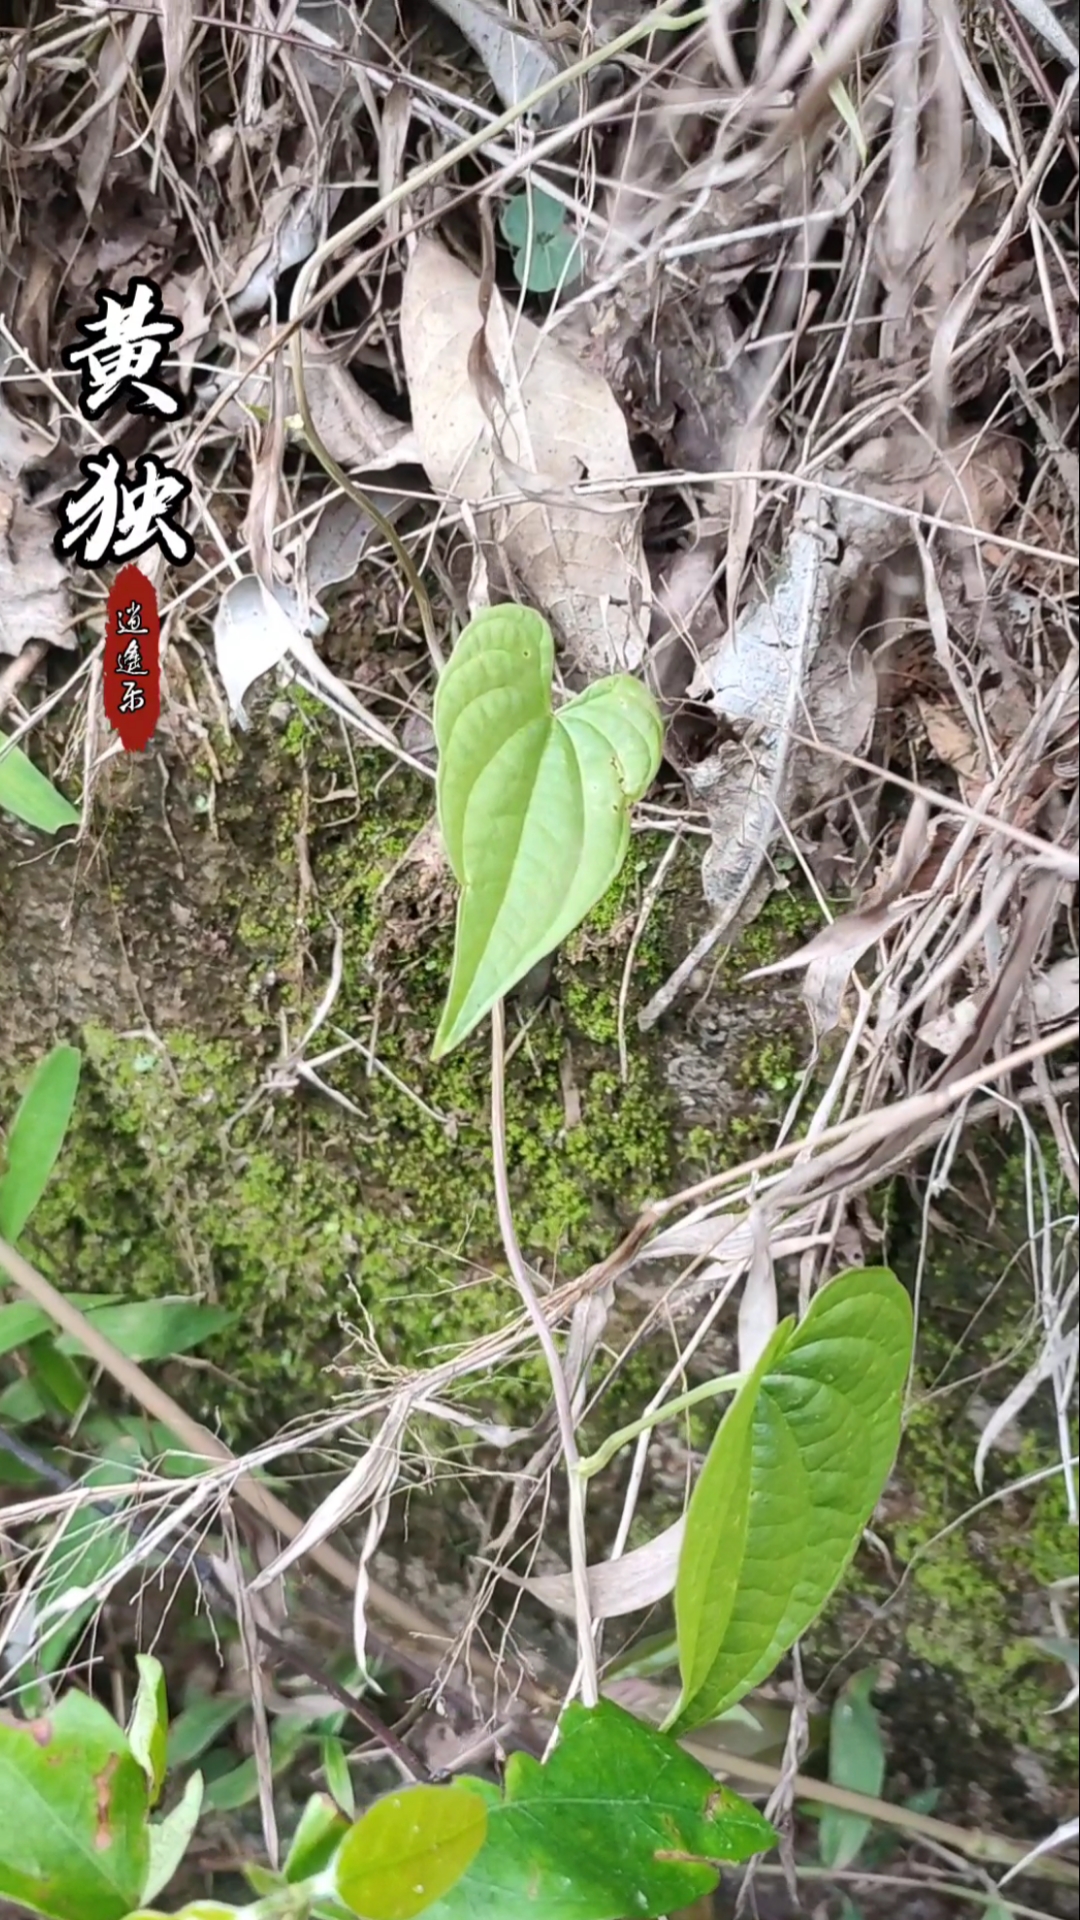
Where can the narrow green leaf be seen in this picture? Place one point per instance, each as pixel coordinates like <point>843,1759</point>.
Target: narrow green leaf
<point>87,1549</point>
<point>202,1910</point>
<point>199,1725</point>
<point>57,1379</point>
<point>154,1329</point>
<point>149,1730</point>
<point>534,806</point>
<point>716,1525</point>
<point>170,1838</point>
<point>37,1135</point>
<point>856,1761</point>
<point>338,1778</point>
<point>619,1822</point>
<point>21,1321</point>
<point>73,1841</point>
<point>318,1835</point>
<point>826,1427</point>
<point>408,1850</point>
<point>29,795</point>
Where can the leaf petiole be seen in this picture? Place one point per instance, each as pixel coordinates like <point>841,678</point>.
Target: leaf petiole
<point>596,1462</point>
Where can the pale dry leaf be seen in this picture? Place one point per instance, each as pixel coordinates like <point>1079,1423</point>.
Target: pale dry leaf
<point>293,217</point>
<point>830,957</point>
<point>35,598</point>
<point>115,62</point>
<point>758,1309</point>
<point>616,1587</point>
<point>356,431</point>
<point>516,61</point>
<point>950,739</point>
<point>177,34</point>
<point>1059,1350</point>
<point>1053,1000</point>
<point>254,630</point>
<point>579,560</point>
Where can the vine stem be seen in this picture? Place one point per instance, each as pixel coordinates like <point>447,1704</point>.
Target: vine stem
<point>579,1562</point>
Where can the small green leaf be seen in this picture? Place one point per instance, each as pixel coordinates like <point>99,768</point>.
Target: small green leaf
<point>28,795</point>
<point>857,1762</point>
<point>73,1842</point>
<point>318,1834</point>
<point>408,1850</point>
<point>170,1838</point>
<point>534,806</point>
<point>531,214</point>
<point>619,1822</point>
<point>826,1426</point>
<point>202,1910</point>
<point>335,1765</point>
<point>37,1135</point>
<point>199,1725</point>
<point>154,1329</point>
<point>148,1732</point>
<point>21,1321</point>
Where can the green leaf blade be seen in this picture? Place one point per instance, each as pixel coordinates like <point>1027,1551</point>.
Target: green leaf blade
<point>73,1841</point>
<point>149,1730</point>
<point>29,795</point>
<point>619,1824</point>
<point>408,1850</point>
<point>856,1761</point>
<point>36,1137</point>
<point>825,1433</point>
<point>716,1525</point>
<point>533,805</point>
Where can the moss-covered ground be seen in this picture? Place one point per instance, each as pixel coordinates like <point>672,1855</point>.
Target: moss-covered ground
<point>215,907</point>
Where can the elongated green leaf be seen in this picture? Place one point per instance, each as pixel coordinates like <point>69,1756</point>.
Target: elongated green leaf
<point>148,1732</point>
<point>154,1329</point>
<point>708,1579</point>
<point>826,1427</point>
<point>619,1822</point>
<point>408,1850</point>
<point>534,806</point>
<point>856,1761</point>
<point>202,1910</point>
<point>36,1137</point>
<point>319,1833</point>
<point>199,1725</point>
<point>21,1321</point>
<point>28,795</point>
<point>88,1547</point>
<point>170,1838</point>
<point>335,1765</point>
<point>73,1841</point>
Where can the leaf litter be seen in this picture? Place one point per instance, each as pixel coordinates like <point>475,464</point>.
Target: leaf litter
<point>815,378</point>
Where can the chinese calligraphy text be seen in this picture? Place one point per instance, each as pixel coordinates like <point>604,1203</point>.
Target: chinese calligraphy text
<point>115,516</point>
<point>132,669</point>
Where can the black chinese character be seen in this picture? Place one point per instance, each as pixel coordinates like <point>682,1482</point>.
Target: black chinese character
<point>112,518</point>
<point>123,345</point>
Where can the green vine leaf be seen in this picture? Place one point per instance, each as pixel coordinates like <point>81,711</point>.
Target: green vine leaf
<point>824,1434</point>
<point>73,1839</point>
<point>619,1824</point>
<point>408,1850</point>
<point>534,806</point>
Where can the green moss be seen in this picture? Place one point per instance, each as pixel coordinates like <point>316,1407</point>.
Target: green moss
<point>305,1217</point>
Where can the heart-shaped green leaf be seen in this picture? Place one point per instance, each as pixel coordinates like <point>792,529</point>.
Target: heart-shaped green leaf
<point>826,1426</point>
<point>408,1850</point>
<point>73,1839</point>
<point>619,1821</point>
<point>534,806</point>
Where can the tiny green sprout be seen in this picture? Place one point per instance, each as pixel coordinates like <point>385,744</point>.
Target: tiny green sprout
<point>546,254</point>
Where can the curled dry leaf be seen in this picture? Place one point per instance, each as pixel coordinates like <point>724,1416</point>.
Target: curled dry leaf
<point>616,1587</point>
<point>355,430</point>
<point>516,61</point>
<point>254,631</point>
<point>787,669</point>
<point>1053,1000</point>
<point>293,216</point>
<point>556,424</point>
<point>35,601</point>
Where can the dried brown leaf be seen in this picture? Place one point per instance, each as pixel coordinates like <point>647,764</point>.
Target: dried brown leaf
<point>35,600</point>
<point>579,559</point>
